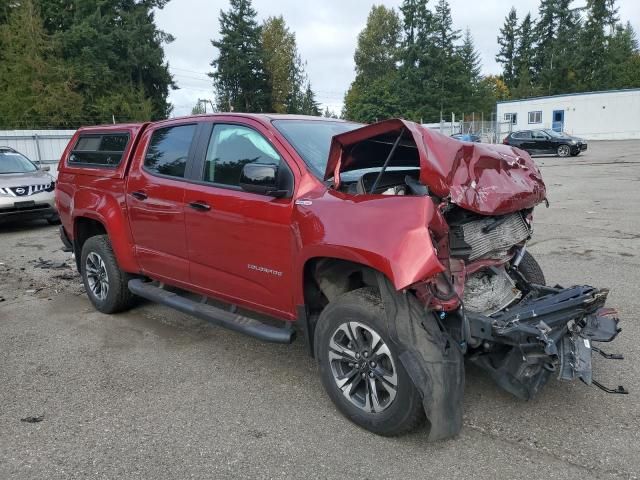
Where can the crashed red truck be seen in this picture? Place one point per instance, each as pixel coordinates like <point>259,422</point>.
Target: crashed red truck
<point>396,251</point>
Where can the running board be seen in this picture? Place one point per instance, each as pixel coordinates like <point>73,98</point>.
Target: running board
<point>211,314</point>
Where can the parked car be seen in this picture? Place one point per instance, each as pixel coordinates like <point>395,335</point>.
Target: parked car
<point>26,189</point>
<point>546,141</point>
<point>393,249</point>
<point>467,137</point>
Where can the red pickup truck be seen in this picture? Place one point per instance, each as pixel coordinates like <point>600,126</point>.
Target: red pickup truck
<point>394,250</point>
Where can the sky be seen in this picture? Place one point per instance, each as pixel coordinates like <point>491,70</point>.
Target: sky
<point>326,34</point>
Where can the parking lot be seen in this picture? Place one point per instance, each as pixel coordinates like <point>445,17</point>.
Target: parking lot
<point>152,393</point>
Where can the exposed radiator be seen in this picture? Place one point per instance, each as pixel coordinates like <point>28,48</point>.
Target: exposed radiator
<point>472,241</point>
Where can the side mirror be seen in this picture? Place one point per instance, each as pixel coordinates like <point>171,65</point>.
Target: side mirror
<point>45,168</point>
<point>264,179</point>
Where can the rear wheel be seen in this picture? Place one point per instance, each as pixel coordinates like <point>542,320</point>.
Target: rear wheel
<point>564,151</point>
<point>105,283</point>
<point>360,368</point>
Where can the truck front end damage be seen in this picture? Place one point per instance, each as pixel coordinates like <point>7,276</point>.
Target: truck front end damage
<point>489,302</point>
<point>492,299</point>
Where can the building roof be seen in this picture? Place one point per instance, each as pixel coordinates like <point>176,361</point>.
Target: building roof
<point>569,95</point>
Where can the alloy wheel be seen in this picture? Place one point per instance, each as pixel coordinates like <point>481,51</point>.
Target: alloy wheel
<point>363,367</point>
<point>97,276</point>
<point>564,150</point>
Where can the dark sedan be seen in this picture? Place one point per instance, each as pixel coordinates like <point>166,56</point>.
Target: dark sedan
<point>546,141</point>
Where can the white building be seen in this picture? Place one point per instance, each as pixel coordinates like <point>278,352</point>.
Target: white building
<point>609,115</point>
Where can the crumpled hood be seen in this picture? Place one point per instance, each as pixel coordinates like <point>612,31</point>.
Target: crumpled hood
<point>483,178</point>
<point>38,177</point>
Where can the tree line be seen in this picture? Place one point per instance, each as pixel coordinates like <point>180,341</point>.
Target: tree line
<point>258,67</point>
<point>65,63</point>
<point>568,49</point>
<point>413,63</point>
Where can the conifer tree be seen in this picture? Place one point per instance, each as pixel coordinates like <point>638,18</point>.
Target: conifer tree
<point>239,75</point>
<point>508,43</point>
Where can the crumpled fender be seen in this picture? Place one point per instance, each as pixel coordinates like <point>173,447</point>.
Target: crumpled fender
<point>430,356</point>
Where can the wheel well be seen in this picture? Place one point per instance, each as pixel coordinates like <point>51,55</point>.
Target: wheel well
<point>327,278</point>
<point>84,229</point>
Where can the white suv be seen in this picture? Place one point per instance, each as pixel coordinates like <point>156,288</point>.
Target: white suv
<point>26,190</point>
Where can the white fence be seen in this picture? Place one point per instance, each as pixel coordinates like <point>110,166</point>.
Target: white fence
<point>44,146</point>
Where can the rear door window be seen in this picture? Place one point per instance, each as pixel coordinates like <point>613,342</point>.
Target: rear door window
<point>99,150</point>
<point>168,150</point>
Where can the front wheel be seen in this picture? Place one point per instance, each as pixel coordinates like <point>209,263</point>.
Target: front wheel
<point>531,270</point>
<point>105,283</point>
<point>360,368</point>
<point>564,151</point>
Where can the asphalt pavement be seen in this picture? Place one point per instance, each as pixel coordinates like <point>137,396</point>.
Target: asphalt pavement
<point>152,393</point>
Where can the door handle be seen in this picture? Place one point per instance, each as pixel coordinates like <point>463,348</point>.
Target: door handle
<point>139,195</point>
<point>201,206</point>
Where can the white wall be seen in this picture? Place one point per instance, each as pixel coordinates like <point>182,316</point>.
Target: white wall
<point>611,115</point>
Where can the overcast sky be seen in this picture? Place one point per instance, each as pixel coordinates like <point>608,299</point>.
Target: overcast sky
<point>326,33</point>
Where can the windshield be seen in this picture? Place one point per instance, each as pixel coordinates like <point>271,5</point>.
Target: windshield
<point>555,134</point>
<point>13,162</point>
<point>312,139</point>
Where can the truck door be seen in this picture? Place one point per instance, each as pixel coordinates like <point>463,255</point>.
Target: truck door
<point>155,201</point>
<point>240,243</point>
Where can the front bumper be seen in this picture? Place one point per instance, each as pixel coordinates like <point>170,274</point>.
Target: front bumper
<point>40,205</point>
<point>550,333</point>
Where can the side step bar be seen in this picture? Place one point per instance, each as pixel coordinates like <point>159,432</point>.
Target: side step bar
<point>211,314</point>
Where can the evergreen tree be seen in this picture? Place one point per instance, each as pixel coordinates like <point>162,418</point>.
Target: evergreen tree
<point>240,77</point>
<point>309,104</point>
<point>283,66</point>
<point>416,78</point>
<point>329,113</point>
<point>624,58</point>
<point>545,32</point>
<point>447,64</point>
<point>508,43</point>
<point>523,62</point>
<point>594,45</point>
<point>470,77</point>
<point>376,72</point>
<point>563,78</point>
<point>116,52</point>
<point>36,85</point>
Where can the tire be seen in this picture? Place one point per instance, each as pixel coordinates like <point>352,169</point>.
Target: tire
<point>104,282</point>
<point>564,150</point>
<point>530,269</point>
<point>359,314</point>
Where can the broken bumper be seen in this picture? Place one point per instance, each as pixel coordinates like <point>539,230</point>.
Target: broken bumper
<point>550,333</point>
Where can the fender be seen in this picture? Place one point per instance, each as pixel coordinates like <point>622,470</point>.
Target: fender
<point>109,208</point>
<point>368,230</point>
